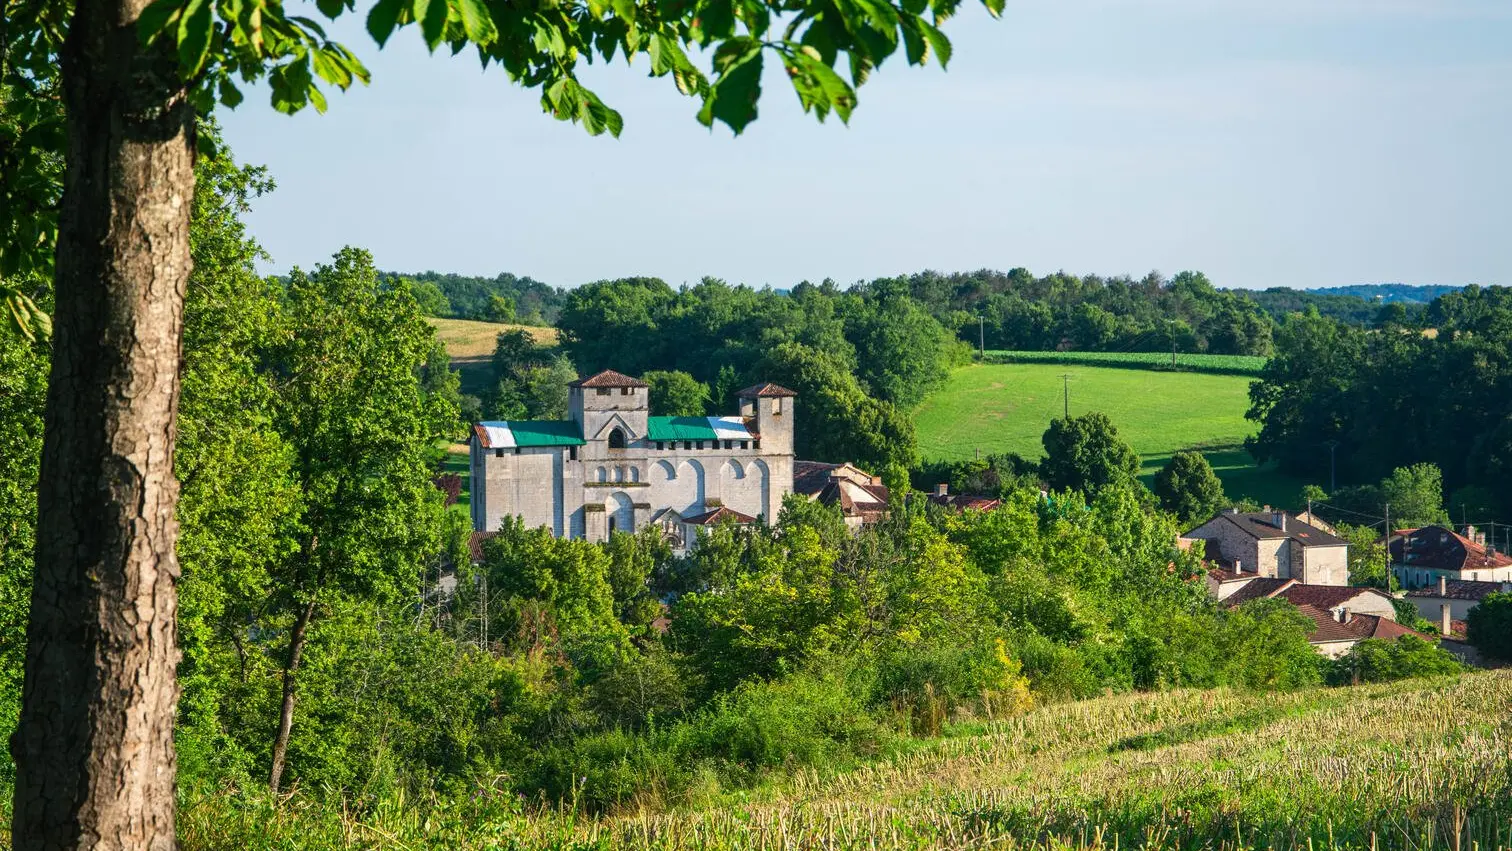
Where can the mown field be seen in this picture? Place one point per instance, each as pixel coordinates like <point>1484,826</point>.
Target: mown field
<point>1414,765</point>
<point>1216,364</point>
<point>1007,407</point>
<point>471,345</point>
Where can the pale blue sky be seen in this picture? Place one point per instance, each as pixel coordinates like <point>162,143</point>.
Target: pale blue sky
<point>1266,142</point>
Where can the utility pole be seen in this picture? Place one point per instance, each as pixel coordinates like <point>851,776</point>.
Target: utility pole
<point>982,337</point>
<point>1173,344</point>
<point>1388,549</point>
<point>1333,484</point>
<point>1066,394</point>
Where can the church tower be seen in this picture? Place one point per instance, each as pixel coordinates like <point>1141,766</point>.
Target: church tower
<point>768,408</point>
<point>610,407</point>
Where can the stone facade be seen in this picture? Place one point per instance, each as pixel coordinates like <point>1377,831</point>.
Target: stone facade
<point>1271,544</point>
<point>613,467</point>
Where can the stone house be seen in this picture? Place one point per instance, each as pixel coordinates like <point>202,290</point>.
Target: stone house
<point>861,497</point>
<point>1449,601</point>
<point>1271,544</point>
<point>612,466</point>
<point>1421,557</point>
<point>1334,635</point>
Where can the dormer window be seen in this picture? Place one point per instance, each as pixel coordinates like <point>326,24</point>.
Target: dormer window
<point>617,439</point>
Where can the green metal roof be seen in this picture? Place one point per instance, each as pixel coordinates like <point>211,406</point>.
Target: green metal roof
<point>530,433</point>
<point>679,428</point>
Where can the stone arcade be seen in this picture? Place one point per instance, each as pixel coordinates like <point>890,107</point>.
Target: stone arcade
<point>612,466</point>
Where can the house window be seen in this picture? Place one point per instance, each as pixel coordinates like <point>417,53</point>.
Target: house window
<point>624,391</point>
<point>777,407</point>
<point>700,444</point>
<point>616,439</point>
<point>517,450</point>
<point>687,444</point>
<point>756,444</point>
<point>658,446</point>
<point>499,453</point>
<point>572,453</point>
<point>603,391</point>
<point>743,444</point>
<point>729,444</point>
<point>611,524</point>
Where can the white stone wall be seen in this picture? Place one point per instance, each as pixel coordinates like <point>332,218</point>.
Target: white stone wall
<point>1325,565</point>
<point>1236,544</point>
<point>1432,607</point>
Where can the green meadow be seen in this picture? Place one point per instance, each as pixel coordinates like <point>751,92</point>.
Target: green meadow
<point>988,408</point>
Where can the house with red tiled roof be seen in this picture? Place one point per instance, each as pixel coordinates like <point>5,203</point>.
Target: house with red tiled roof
<point>961,501</point>
<point>1421,557</point>
<point>1334,634</point>
<point>1449,601</point>
<point>860,496</point>
<point>1340,601</point>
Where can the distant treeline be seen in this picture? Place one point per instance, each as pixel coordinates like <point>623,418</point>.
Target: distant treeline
<point>1414,293</point>
<point>502,298</point>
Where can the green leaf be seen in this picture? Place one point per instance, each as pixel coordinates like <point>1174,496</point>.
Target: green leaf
<point>194,35</point>
<point>914,45</point>
<point>157,18</point>
<point>432,17</point>
<point>733,97</point>
<point>382,20</point>
<point>331,8</point>
<point>714,21</point>
<point>937,41</point>
<point>818,87</point>
<point>476,21</point>
<point>994,6</point>
<point>328,68</point>
<point>230,95</point>
<point>596,116</point>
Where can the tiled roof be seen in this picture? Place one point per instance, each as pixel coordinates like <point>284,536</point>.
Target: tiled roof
<point>1357,628</point>
<point>1439,548</point>
<point>608,378</point>
<point>1327,629</point>
<point>764,389</point>
<point>475,545</point>
<point>1325,596</point>
<point>1257,588</point>
<point>845,485</point>
<point>1459,589</point>
<point>709,518</point>
<point>965,502</point>
<point>508,435</point>
<point>1261,524</point>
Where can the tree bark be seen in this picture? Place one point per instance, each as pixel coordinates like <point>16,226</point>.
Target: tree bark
<point>94,748</point>
<point>297,640</point>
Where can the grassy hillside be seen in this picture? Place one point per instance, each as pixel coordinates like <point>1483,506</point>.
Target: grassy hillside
<point>471,346</point>
<point>1216,364</point>
<point>1414,765</point>
<point>1007,407</point>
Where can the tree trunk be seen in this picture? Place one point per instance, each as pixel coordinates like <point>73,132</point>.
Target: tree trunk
<point>297,640</point>
<point>94,747</point>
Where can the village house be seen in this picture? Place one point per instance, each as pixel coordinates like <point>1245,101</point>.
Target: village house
<point>1334,635</point>
<point>1448,601</point>
<point>1421,557</point>
<point>612,466</point>
<point>860,496</point>
<point>1270,544</point>
<point>962,502</point>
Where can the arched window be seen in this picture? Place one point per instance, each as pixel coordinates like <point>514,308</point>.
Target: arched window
<point>616,439</point>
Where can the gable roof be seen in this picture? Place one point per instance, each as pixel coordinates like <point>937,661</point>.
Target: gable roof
<point>524,433</point>
<point>1359,627</point>
<point>608,378</point>
<point>1441,548</point>
<point>1460,589</point>
<point>1261,525</point>
<point>964,501</point>
<point>1325,596</point>
<point>1258,588</point>
<point>765,389</point>
<point>709,518</point>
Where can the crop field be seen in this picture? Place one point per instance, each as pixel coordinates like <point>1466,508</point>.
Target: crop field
<point>470,344</point>
<point>991,408</point>
<point>1414,765</point>
<point>1216,364</point>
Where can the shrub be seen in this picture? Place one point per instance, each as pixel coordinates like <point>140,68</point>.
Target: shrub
<point>1489,626</point>
<point>1377,661</point>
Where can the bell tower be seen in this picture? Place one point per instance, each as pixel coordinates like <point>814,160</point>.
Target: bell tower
<point>769,408</point>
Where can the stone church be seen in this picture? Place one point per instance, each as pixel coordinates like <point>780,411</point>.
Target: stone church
<point>612,466</point>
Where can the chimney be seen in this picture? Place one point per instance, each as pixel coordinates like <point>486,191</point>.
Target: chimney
<point>942,489</point>
<point>1444,623</point>
<point>1344,614</point>
<point>1280,520</point>
<point>1265,508</point>
<point>1443,586</point>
